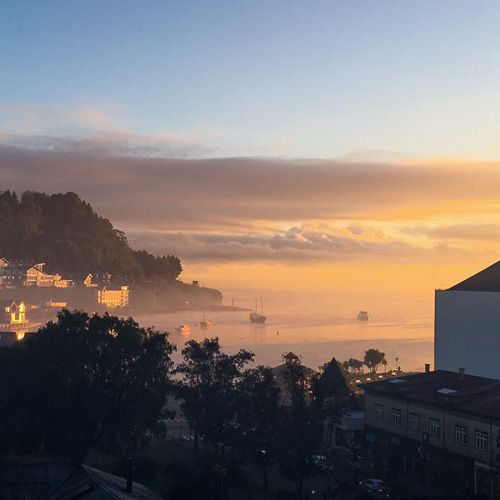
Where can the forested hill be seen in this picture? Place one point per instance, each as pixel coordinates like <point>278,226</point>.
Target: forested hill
<point>64,232</point>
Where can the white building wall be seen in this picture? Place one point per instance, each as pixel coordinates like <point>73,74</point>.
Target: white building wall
<point>467,332</point>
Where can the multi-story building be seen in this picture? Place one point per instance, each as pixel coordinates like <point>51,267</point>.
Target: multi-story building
<point>442,427</point>
<point>467,317</point>
<point>114,298</point>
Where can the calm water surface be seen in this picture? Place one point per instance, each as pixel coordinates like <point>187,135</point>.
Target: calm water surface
<point>316,326</point>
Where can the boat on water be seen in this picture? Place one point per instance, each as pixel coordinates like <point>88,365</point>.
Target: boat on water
<point>205,323</point>
<point>183,329</point>
<point>255,316</point>
<point>363,316</point>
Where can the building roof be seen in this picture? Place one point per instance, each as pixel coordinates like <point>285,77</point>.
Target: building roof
<point>65,482</point>
<point>332,381</point>
<point>31,481</point>
<point>487,280</point>
<point>8,302</point>
<point>470,394</point>
<point>88,483</point>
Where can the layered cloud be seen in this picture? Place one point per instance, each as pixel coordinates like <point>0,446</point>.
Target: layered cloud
<point>214,192</point>
<point>218,209</point>
<point>87,129</point>
<point>478,232</point>
<point>304,243</point>
<point>111,144</point>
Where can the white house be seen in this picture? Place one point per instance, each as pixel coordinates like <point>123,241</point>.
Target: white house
<point>467,325</point>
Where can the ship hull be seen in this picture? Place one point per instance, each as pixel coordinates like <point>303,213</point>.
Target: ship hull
<point>257,318</point>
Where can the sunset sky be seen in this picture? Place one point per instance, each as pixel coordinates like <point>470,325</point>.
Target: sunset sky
<point>326,144</point>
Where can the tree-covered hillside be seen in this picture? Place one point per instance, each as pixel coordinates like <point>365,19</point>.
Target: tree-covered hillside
<point>64,232</point>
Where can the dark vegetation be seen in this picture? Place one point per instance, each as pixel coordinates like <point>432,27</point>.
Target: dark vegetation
<point>101,384</point>
<point>372,359</point>
<point>64,232</point>
<point>83,382</point>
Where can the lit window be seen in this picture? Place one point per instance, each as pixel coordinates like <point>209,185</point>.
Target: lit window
<point>396,417</point>
<point>461,435</point>
<point>379,412</point>
<point>414,422</point>
<point>434,427</point>
<point>482,441</point>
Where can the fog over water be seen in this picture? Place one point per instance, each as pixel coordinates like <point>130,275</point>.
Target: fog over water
<point>314,325</point>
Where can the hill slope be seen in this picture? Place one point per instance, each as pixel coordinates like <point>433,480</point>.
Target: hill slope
<point>64,232</point>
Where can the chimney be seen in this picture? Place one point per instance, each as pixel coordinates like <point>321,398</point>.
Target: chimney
<point>427,367</point>
<point>461,374</point>
<point>130,473</point>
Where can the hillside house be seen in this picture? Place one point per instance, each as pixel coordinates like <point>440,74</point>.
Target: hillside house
<point>86,281</point>
<point>114,298</point>
<point>21,273</point>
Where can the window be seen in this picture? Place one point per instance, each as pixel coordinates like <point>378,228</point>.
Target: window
<point>396,417</point>
<point>414,422</point>
<point>460,435</point>
<point>434,427</point>
<point>482,441</point>
<point>379,412</point>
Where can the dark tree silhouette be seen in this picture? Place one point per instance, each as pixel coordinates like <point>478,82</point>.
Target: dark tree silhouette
<point>355,364</point>
<point>373,359</point>
<point>258,415</point>
<point>300,428</point>
<point>209,389</point>
<point>83,381</point>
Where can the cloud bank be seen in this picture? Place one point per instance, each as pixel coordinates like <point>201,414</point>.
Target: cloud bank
<point>297,244</point>
<point>258,208</point>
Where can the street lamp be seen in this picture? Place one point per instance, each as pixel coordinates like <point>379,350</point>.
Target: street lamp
<point>263,456</point>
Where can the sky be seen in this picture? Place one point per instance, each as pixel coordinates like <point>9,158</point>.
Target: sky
<point>324,144</point>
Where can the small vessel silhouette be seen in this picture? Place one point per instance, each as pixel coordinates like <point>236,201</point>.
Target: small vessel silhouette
<point>205,323</point>
<point>255,317</point>
<point>363,316</point>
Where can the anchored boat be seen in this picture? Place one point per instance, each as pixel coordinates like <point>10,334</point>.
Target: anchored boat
<point>256,317</point>
<point>363,316</point>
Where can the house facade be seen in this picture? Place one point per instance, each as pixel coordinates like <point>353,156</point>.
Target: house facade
<point>20,273</point>
<point>467,316</point>
<point>13,315</point>
<point>15,274</point>
<point>114,298</point>
<point>441,427</point>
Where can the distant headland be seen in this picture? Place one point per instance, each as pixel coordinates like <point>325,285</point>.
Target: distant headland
<point>55,250</point>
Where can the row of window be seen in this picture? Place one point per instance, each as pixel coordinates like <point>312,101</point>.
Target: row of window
<point>461,438</point>
<point>434,427</point>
